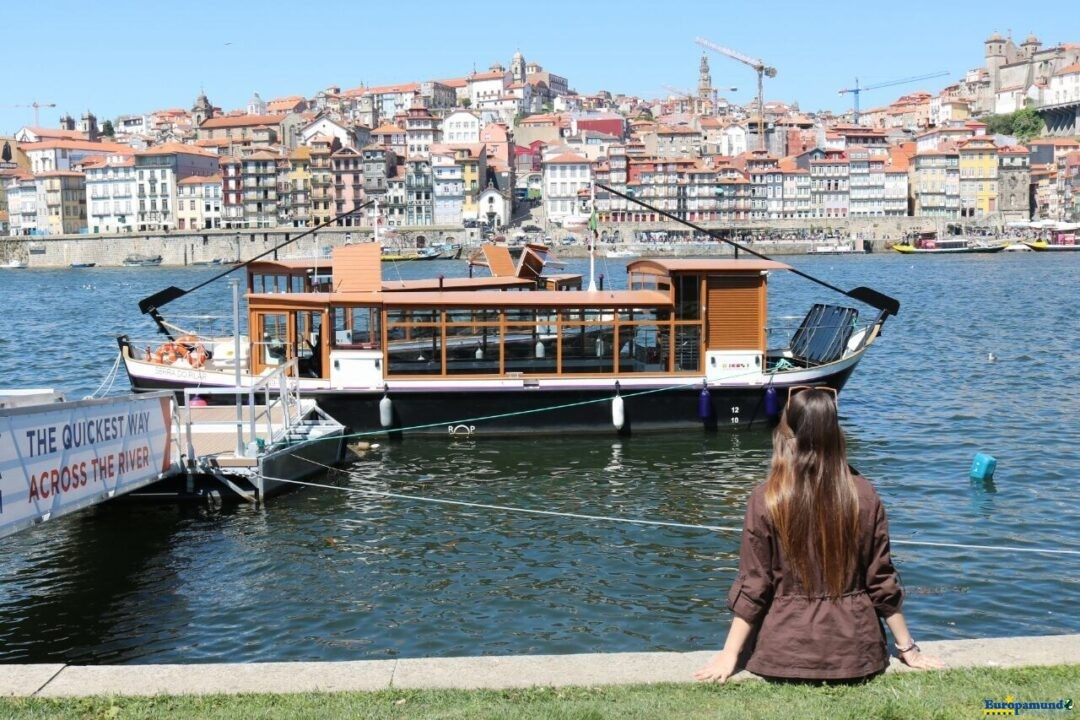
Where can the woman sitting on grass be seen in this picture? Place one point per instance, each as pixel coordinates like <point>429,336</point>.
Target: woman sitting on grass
<point>815,573</point>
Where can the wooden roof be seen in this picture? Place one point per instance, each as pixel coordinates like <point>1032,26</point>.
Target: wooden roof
<point>686,265</point>
<point>432,284</point>
<point>537,299</point>
<point>490,299</point>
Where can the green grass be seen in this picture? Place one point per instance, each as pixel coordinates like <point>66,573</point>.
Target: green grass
<point>903,696</point>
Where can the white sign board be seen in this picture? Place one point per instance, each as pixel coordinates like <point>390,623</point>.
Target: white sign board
<point>60,457</point>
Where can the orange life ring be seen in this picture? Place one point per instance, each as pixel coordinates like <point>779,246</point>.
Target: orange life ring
<point>198,357</point>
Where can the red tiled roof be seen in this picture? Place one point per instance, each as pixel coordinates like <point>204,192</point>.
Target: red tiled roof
<point>567,158</point>
<point>174,148</point>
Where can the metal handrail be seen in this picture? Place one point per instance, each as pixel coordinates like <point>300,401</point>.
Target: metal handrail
<point>287,396</point>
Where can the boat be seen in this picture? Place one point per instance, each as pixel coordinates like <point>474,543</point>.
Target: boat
<point>1017,247</point>
<point>620,253</point>
<point>1061,242</point>
<point>393,255</point>
<point>83,265</point>
<point>137,260</point>
<point>928,244</point>
<point>835,248</point>
<point>14,265</point>
<point>205,263</point>
<point>518,353</point>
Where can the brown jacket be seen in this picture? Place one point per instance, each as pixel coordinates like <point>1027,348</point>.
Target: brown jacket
<point>812,636</point>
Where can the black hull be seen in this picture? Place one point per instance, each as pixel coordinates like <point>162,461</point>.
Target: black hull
<point>524,412</point>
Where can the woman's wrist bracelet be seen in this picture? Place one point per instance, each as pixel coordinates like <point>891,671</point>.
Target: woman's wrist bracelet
<point>911,646</point>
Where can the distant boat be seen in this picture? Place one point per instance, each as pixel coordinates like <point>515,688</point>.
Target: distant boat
<point>1063,243</point>
<point>136,260</point>
<point>83,265</point>
<point>929,244</point>
<point>14,265</point>
<point>623,253</point>
<point>835,248</point>
<point>203,263</point>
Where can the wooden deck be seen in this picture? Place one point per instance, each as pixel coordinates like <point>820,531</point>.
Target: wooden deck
<point>213,431</point>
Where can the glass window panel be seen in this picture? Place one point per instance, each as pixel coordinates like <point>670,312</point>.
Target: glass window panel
<point>474,354</point>
<point>529,350</point>
<point>687,348</point>
<point>640,349</point>
<point>688,298</point>
<point>420,353</point>
<point>273,329</point>
<point>588,348</point>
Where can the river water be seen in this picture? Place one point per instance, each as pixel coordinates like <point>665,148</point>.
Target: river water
<point>322,574</point>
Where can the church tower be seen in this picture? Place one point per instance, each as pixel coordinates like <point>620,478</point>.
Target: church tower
<point>704,87</point>
<point>517,68</point>
<point>202,110</point>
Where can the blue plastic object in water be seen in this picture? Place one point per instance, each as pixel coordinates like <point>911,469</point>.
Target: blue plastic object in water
<point>772,403</point>
<point>704,404</point>
<point>983,466</point>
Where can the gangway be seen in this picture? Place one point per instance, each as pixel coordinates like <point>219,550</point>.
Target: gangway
<point>60,457</point>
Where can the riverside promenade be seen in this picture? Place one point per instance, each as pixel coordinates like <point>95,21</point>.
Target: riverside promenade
<point>515,671</point>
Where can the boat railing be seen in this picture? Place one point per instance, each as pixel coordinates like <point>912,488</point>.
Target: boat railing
<point>276,391</point>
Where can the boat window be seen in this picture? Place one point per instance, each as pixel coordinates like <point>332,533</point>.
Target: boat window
<point>515,315</point>
<point>356,327</point>
<point>688,297</point>
<point>473,353</point>
<point>588,348</point>
<point>530,349</point>
<point>411,317</point>
<point>687,348</point>
<point>640,349</point>
<point>471,315</point>
<point>414,350</point>
<point>274,331</point>
<point>640,315</point>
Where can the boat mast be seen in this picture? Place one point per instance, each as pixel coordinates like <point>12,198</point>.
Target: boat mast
<point>376,219</point>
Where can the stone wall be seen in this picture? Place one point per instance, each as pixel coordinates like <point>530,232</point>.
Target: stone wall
<point>184,248</point>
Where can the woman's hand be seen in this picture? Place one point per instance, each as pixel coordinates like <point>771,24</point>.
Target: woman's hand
<point>914,658</point>
<point>719,669</point>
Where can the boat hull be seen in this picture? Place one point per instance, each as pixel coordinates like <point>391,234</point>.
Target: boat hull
<point>478,409</point>
<point>948,251</point>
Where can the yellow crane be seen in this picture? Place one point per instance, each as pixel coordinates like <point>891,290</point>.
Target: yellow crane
<point>763,71</point>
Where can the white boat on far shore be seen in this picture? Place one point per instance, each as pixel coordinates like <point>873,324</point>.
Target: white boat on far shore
<point>14,265</point>
<point>848,247</point>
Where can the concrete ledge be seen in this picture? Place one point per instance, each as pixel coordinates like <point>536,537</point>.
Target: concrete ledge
<point>215,678</point>
<point>512,671</point>
<point>26,680</point>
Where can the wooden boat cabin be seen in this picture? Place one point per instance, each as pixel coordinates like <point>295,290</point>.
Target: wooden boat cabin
<point>681,317</point>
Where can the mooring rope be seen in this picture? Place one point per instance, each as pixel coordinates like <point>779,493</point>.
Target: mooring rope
<point>110,378</point>
<point>609,518</point>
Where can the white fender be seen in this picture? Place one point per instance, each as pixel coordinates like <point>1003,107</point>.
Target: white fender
<point>386,412</point>
<point>540,349</point>
<point>599,347</point>
<point>479,353</point>
<point>618,412</point>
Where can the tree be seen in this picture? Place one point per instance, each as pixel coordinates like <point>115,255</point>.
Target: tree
<point>1027,124</point>
<point>999,124</point>
<point>107,129</point>
<point>465,103</point>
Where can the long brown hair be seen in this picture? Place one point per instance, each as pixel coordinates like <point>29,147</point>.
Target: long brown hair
<point>810,494</point>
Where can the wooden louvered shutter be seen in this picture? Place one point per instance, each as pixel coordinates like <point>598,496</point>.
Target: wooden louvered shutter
<point>736,312</point>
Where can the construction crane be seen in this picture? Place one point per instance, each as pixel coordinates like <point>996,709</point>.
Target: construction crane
<point>856,91</point>
<point>37,110</point>
<point>762,71</point>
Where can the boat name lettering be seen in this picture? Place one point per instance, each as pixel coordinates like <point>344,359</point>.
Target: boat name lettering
<point>466,430</point>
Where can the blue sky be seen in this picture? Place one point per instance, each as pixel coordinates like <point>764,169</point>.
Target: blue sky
<point>118,57</point>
